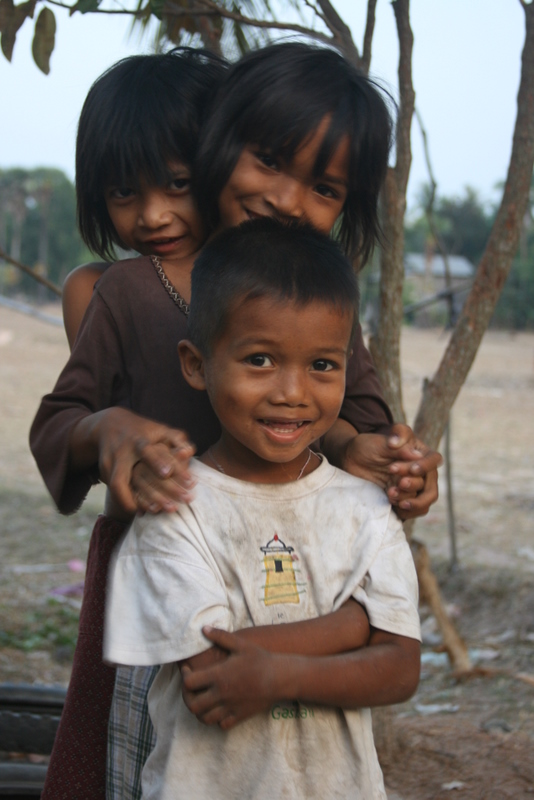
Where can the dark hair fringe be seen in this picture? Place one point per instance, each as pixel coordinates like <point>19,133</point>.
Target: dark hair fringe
<point>266,257</point>
<point>139,116</point>
<point>276,98</point>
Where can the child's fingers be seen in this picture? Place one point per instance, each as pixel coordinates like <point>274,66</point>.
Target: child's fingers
<point>405,489</point>
<point>421,465</point>
<point>197,681</point>
<point>119,485</point>
<point>429,463</point>
<point>420,505</point>
<point>165,459</point>
<point>155,494</point>
<point>224,639</point>
<point>400,435</point>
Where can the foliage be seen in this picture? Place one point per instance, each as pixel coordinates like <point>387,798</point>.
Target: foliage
<point>44,629</point>
<point>38,226</point>
<point>515,309</point>
<point>219,25</point>
<point>464,225</point>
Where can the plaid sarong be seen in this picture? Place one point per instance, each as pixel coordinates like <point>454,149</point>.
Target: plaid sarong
<point>131,737</point>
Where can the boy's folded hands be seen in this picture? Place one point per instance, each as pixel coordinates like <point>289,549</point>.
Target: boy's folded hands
<point>234,688</point>
<point>251,678</point>
<point>237,677</point>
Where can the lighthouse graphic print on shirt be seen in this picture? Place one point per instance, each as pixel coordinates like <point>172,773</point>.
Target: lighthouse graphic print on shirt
<point>281,570</point>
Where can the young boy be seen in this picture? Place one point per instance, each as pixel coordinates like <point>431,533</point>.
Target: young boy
<point>275,538</point>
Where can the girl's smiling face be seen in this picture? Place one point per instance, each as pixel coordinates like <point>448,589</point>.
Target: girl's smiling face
<point>158,220</point>
<point>263,184</point>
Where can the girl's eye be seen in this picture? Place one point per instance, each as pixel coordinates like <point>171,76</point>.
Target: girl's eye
<point>326,191</point>
<point>322,365</point>
<point>259,360</point>
<point>121,193</point>
<point>267,160</point>
<point>180,184</point>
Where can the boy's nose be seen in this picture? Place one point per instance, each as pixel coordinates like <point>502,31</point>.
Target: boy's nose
<point>290,389</point>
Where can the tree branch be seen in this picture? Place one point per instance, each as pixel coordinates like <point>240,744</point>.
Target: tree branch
<point>29,271</point>
<point>340,31</point>
<point>429,212</point>
<point>212,9</point>
<point>368,35</point>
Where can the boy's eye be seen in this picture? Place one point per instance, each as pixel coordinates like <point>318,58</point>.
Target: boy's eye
<point>323,365</point>
<point>259,360</point>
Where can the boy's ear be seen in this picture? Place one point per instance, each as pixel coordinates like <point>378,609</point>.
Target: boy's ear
<point>192,363</point>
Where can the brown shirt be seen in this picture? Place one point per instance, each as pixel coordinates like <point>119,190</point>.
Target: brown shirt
<point>125,355</point>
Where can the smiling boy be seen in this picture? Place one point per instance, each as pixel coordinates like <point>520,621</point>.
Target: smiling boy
<point>275,540</point>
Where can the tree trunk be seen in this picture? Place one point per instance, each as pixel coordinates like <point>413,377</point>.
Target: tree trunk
<point>440,393</point>
<point>385,345</point>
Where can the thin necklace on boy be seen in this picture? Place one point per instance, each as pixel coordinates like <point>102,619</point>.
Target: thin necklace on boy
<point>299,476</point>
<point>174,293</point>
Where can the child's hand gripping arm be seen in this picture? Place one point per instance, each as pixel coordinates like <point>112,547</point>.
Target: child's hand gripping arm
<point>251,678</point>
<point>398,462</point>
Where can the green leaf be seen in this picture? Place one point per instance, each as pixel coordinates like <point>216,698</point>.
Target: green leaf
<point>13,17</point>
<point>6,9</point>
<point>156,7</point>
<point>84,6</point>
<point>44,39</point>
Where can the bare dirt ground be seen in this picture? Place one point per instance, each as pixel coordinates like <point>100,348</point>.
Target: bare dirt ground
<point>471,739</point>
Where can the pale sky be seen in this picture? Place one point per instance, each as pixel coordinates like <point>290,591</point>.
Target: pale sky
<point>466,74</point>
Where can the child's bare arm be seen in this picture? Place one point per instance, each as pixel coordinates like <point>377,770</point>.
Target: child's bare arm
<point>398,462</point>
<point>251,679</point>
<point>339,632</point>
<point>76,296</point>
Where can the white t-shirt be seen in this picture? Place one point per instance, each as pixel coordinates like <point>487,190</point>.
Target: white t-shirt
<point>244,554</point>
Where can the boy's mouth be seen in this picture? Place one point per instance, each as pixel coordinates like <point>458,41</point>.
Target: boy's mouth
<point>284,426</point>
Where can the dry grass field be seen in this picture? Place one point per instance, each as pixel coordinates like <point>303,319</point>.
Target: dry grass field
<point>470,739</point>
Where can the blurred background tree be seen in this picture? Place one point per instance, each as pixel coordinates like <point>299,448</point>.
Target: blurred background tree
<point>38,227</point>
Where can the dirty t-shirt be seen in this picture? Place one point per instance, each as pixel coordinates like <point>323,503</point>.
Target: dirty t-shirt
<point>244,554</point>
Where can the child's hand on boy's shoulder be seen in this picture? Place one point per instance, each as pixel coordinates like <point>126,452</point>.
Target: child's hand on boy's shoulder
<point>161,480</point>
<point>401,464</point>
<point>412,462</point>
<point>121,440</point>
<point>234,689</point>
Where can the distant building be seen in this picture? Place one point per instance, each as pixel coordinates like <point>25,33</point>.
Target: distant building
<point>424,276</point>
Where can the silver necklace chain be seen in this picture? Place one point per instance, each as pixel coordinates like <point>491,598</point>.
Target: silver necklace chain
<point>299,476</point>
<point>174,293</point>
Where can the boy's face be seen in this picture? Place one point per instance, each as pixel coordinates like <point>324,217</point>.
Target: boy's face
<point>265,185</point>
<point>158,220</point>
<point>276,380</point>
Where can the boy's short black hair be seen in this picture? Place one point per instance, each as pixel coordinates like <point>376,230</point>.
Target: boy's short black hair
<point>266,257</point>
<point>276,98</point>
<point>139,116</point>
